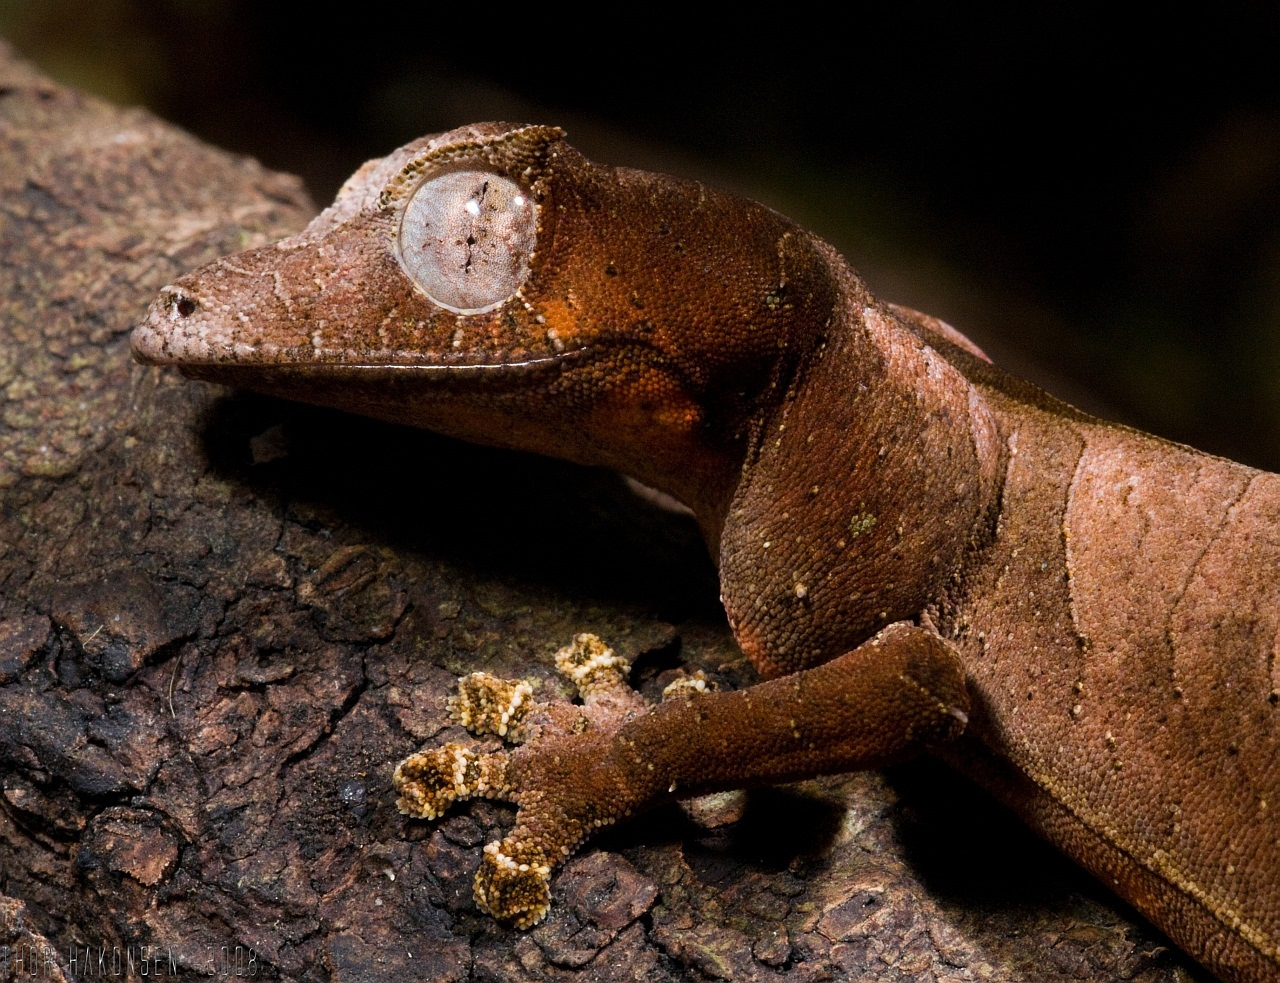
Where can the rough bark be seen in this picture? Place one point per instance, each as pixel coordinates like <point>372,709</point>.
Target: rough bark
<point>224,618</point>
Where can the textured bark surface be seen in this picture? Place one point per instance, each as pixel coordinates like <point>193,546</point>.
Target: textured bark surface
<point>224,618</point>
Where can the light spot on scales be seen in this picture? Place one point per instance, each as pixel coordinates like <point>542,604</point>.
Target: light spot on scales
<point>934,365</point>
<point>281,294</point>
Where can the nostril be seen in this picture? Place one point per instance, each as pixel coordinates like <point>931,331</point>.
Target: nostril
<point>180,305</point>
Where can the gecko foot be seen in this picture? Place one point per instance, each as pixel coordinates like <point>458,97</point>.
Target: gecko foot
<point>581,767</point>
<point>560,797</point>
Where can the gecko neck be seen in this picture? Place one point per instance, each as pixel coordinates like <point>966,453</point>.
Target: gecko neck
<point>868,486</point>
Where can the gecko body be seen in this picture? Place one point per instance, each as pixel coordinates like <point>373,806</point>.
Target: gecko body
<point>911,543</point>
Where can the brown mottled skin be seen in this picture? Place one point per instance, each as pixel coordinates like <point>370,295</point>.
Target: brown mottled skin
<point>906,535</point>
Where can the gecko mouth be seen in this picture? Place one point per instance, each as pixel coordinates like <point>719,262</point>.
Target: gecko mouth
<point>379,389</point>
<point>446,398</point>
<point>347,368</point>
<point>400,393</point>
<point>177,332</point>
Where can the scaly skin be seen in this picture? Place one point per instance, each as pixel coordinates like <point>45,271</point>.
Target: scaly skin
<point>907,537</point>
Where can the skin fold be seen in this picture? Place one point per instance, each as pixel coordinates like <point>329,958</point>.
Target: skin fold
<point>911,543</point>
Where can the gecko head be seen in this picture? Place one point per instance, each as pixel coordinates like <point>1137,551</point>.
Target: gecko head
<point>492,283</point>
<point>418,247</point>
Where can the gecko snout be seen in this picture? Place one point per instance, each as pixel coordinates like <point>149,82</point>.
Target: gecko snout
<point>153,340</point>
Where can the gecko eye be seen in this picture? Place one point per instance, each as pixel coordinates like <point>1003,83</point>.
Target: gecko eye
<point>466,238</point>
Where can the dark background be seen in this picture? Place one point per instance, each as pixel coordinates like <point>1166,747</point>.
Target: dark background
<point>1093,195</point>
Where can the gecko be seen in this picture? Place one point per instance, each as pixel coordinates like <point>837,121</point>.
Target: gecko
<point>918,551</point>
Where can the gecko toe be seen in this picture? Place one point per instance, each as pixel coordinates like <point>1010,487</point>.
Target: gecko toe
<point>513,884</point>
<point>591,665</point>
<point>486,704</point>
<point>430,781</point>
<point>689,685</point>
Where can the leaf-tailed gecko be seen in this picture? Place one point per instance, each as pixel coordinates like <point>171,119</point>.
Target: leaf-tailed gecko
<point>911,543</point>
